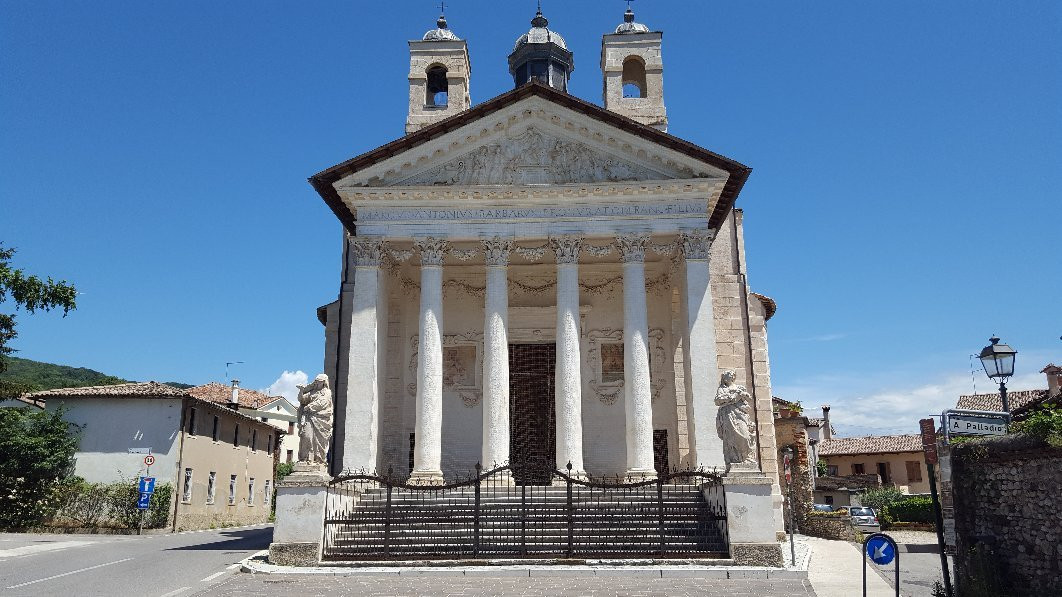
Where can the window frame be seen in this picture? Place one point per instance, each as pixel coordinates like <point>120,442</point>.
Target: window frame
<point>212,487</point>
<point>232,489</point>
<point>186,491</point>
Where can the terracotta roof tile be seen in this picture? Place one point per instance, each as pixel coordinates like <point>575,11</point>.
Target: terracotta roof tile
<point>871,444</point>
<point>123,390</point>
<point>222,394</point>
<point>992,402</point>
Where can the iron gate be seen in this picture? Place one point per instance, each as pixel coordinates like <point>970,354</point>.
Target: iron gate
<point>487,515</point>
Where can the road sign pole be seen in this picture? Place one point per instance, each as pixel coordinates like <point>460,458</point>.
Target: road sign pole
<point>940,529</point>
<point>792,526</point>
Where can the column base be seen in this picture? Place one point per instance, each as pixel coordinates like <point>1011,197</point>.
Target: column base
<point>635,475</point>
<point>426,478</point>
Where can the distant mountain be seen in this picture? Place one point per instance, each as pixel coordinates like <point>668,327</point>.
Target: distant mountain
<point>25,375</point>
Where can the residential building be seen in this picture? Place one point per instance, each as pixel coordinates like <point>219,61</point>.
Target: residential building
<point>278,411</point>
<point>1020,402</point>
<point>194,443</point>
<point>897,459</point>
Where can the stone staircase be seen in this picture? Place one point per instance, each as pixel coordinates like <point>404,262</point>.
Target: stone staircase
<point>530,521</point>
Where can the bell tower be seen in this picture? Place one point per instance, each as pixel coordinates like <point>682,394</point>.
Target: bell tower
<point>633,72</point>
<point>542,55</point>
<point>439,70</point>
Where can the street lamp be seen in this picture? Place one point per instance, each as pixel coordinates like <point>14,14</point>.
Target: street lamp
<point>998,361</point>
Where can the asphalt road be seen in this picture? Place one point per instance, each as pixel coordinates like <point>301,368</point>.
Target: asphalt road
<point>149,565</point>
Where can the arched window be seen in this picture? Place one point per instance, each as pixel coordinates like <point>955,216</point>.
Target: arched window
<point>633,77</point>
<point>437,87</point>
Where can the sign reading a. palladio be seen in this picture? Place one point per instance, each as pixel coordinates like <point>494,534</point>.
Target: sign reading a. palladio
<point>967,425</point>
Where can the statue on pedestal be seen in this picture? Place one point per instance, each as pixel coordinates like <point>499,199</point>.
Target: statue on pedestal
<point>735,425</point>
<point>315,420</point>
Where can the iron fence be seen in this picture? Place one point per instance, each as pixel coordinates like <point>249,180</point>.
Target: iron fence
<point>496,514</point>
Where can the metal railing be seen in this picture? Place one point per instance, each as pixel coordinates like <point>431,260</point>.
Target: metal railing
<point>491,514</point>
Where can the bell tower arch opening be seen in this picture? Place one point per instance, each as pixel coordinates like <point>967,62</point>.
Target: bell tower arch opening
<point>633,73</point>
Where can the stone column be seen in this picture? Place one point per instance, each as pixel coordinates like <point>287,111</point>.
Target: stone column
<point>569,386</point>
<point>427,454</point>
<point>496,354</point>
<point>700,365</point>
<point>361,413</point>
<point>637,393</point>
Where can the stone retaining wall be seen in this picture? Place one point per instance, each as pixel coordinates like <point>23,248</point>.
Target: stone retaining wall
<point>829,526</point>
<point>1008,530</point>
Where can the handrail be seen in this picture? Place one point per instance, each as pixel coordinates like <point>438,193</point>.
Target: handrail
<point>472,479</point>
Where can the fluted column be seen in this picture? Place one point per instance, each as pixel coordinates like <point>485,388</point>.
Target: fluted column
<point>427,453</point>
<point>362,383</point>
<point>569,405</point>
<point>700,365</point>
<point>637,392</point>
<point>496,354</point>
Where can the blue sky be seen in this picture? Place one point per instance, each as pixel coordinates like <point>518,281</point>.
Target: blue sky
<point>903,205</point>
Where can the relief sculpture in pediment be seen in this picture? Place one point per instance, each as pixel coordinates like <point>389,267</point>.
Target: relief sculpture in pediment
<point>533,158</point>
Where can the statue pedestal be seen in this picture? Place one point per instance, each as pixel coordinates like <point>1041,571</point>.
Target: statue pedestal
<point>750,518</point>
<point>299,528</point>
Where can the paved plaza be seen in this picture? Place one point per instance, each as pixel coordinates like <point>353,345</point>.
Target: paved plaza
<point>251,585</point>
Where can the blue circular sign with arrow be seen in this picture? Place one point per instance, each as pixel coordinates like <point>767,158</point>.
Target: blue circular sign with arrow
<point>881,549</point>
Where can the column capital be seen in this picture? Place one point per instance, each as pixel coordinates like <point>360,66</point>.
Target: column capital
<point>697,245</point>
<point>432,250</point>
<point>632,247</point>
<point>566,248</point>
<point>496,250</point>
<point>365,251</point>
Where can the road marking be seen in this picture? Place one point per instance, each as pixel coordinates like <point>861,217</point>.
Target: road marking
<point>177,592</point>
<point>213,576</point>
<point>33,582</point>
<point>32,549</point>
<point>232,566</point>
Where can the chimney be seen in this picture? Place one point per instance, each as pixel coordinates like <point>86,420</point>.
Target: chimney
<point>1054,379</point>
<point>827,431</point>
<point>234,403</point>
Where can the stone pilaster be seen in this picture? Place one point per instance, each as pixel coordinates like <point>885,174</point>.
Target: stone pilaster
<point>568,377</point>
<point>300,507</point>
<point>363,375</point>
<point>637,391</point>
<point>496,354</point>
<point>427,453</point>
<point>701,370</point>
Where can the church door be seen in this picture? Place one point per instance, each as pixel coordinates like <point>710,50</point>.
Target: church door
<point>532,418</point>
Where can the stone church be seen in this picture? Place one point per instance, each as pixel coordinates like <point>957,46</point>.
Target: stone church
<point>541,280</point>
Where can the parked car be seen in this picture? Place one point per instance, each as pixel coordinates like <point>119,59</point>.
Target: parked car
<point>823,508</point>
<point>865,519</point>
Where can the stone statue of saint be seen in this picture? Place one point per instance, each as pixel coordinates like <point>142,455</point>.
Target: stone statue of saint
<point>315,420</point>
<point>734,424</point>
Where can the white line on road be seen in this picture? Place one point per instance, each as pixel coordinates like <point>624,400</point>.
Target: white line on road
<point>32,549</point>
<point>215,575</point>
<point>236,565</point>
<point>33,582</point>
<point>177,592</point>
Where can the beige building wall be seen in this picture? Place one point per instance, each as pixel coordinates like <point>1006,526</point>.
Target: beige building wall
<point>896,466</point>
<point>244,462</point>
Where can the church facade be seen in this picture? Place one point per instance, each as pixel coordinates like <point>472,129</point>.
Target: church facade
<point>537,279</point>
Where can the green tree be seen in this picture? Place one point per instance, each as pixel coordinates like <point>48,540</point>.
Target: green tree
<point>38,455</point>
<point>30,293</point>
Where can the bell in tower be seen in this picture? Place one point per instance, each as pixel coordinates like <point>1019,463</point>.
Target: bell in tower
<point>542,55</point>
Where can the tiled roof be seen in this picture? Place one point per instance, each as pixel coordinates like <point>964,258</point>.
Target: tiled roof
<point>992,402</point>
<point>123,390</point>
<point>871,444</point>
<point>222,394</point>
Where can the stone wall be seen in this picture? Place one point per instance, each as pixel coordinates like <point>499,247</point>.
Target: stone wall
<point>829,525</point>
<point>1008,530</point>
<point>792,432</point>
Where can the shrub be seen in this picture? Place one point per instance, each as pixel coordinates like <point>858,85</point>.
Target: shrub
<point>1044,423</point>
<point>915,508</point>
<point>38,456</point>
<point>881,498</point>
<point>111,505</point>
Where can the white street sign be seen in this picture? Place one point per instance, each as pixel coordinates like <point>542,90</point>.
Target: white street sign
<point>139,450</point>
<point>966,425</point>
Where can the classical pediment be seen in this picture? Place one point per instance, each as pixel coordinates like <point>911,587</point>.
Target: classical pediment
<point>531,156</point>
<point>532,142</point>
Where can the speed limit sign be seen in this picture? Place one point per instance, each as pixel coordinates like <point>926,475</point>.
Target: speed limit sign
<point>149,460</point>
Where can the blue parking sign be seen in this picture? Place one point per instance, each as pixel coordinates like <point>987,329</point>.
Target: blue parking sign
<point>144,502</point>
<point>147,485</point>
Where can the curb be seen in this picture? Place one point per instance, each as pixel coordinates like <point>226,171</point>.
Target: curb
<point>257,564</point>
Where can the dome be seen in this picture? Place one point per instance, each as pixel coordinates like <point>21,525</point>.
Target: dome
<point>441,33</point>
<point>629,26</point>
<point>540,34</point>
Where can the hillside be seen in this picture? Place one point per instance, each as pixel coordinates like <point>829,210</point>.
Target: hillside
<point>34,375</point>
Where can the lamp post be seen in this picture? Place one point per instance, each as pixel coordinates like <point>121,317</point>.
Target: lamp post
<point>998,361</point>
